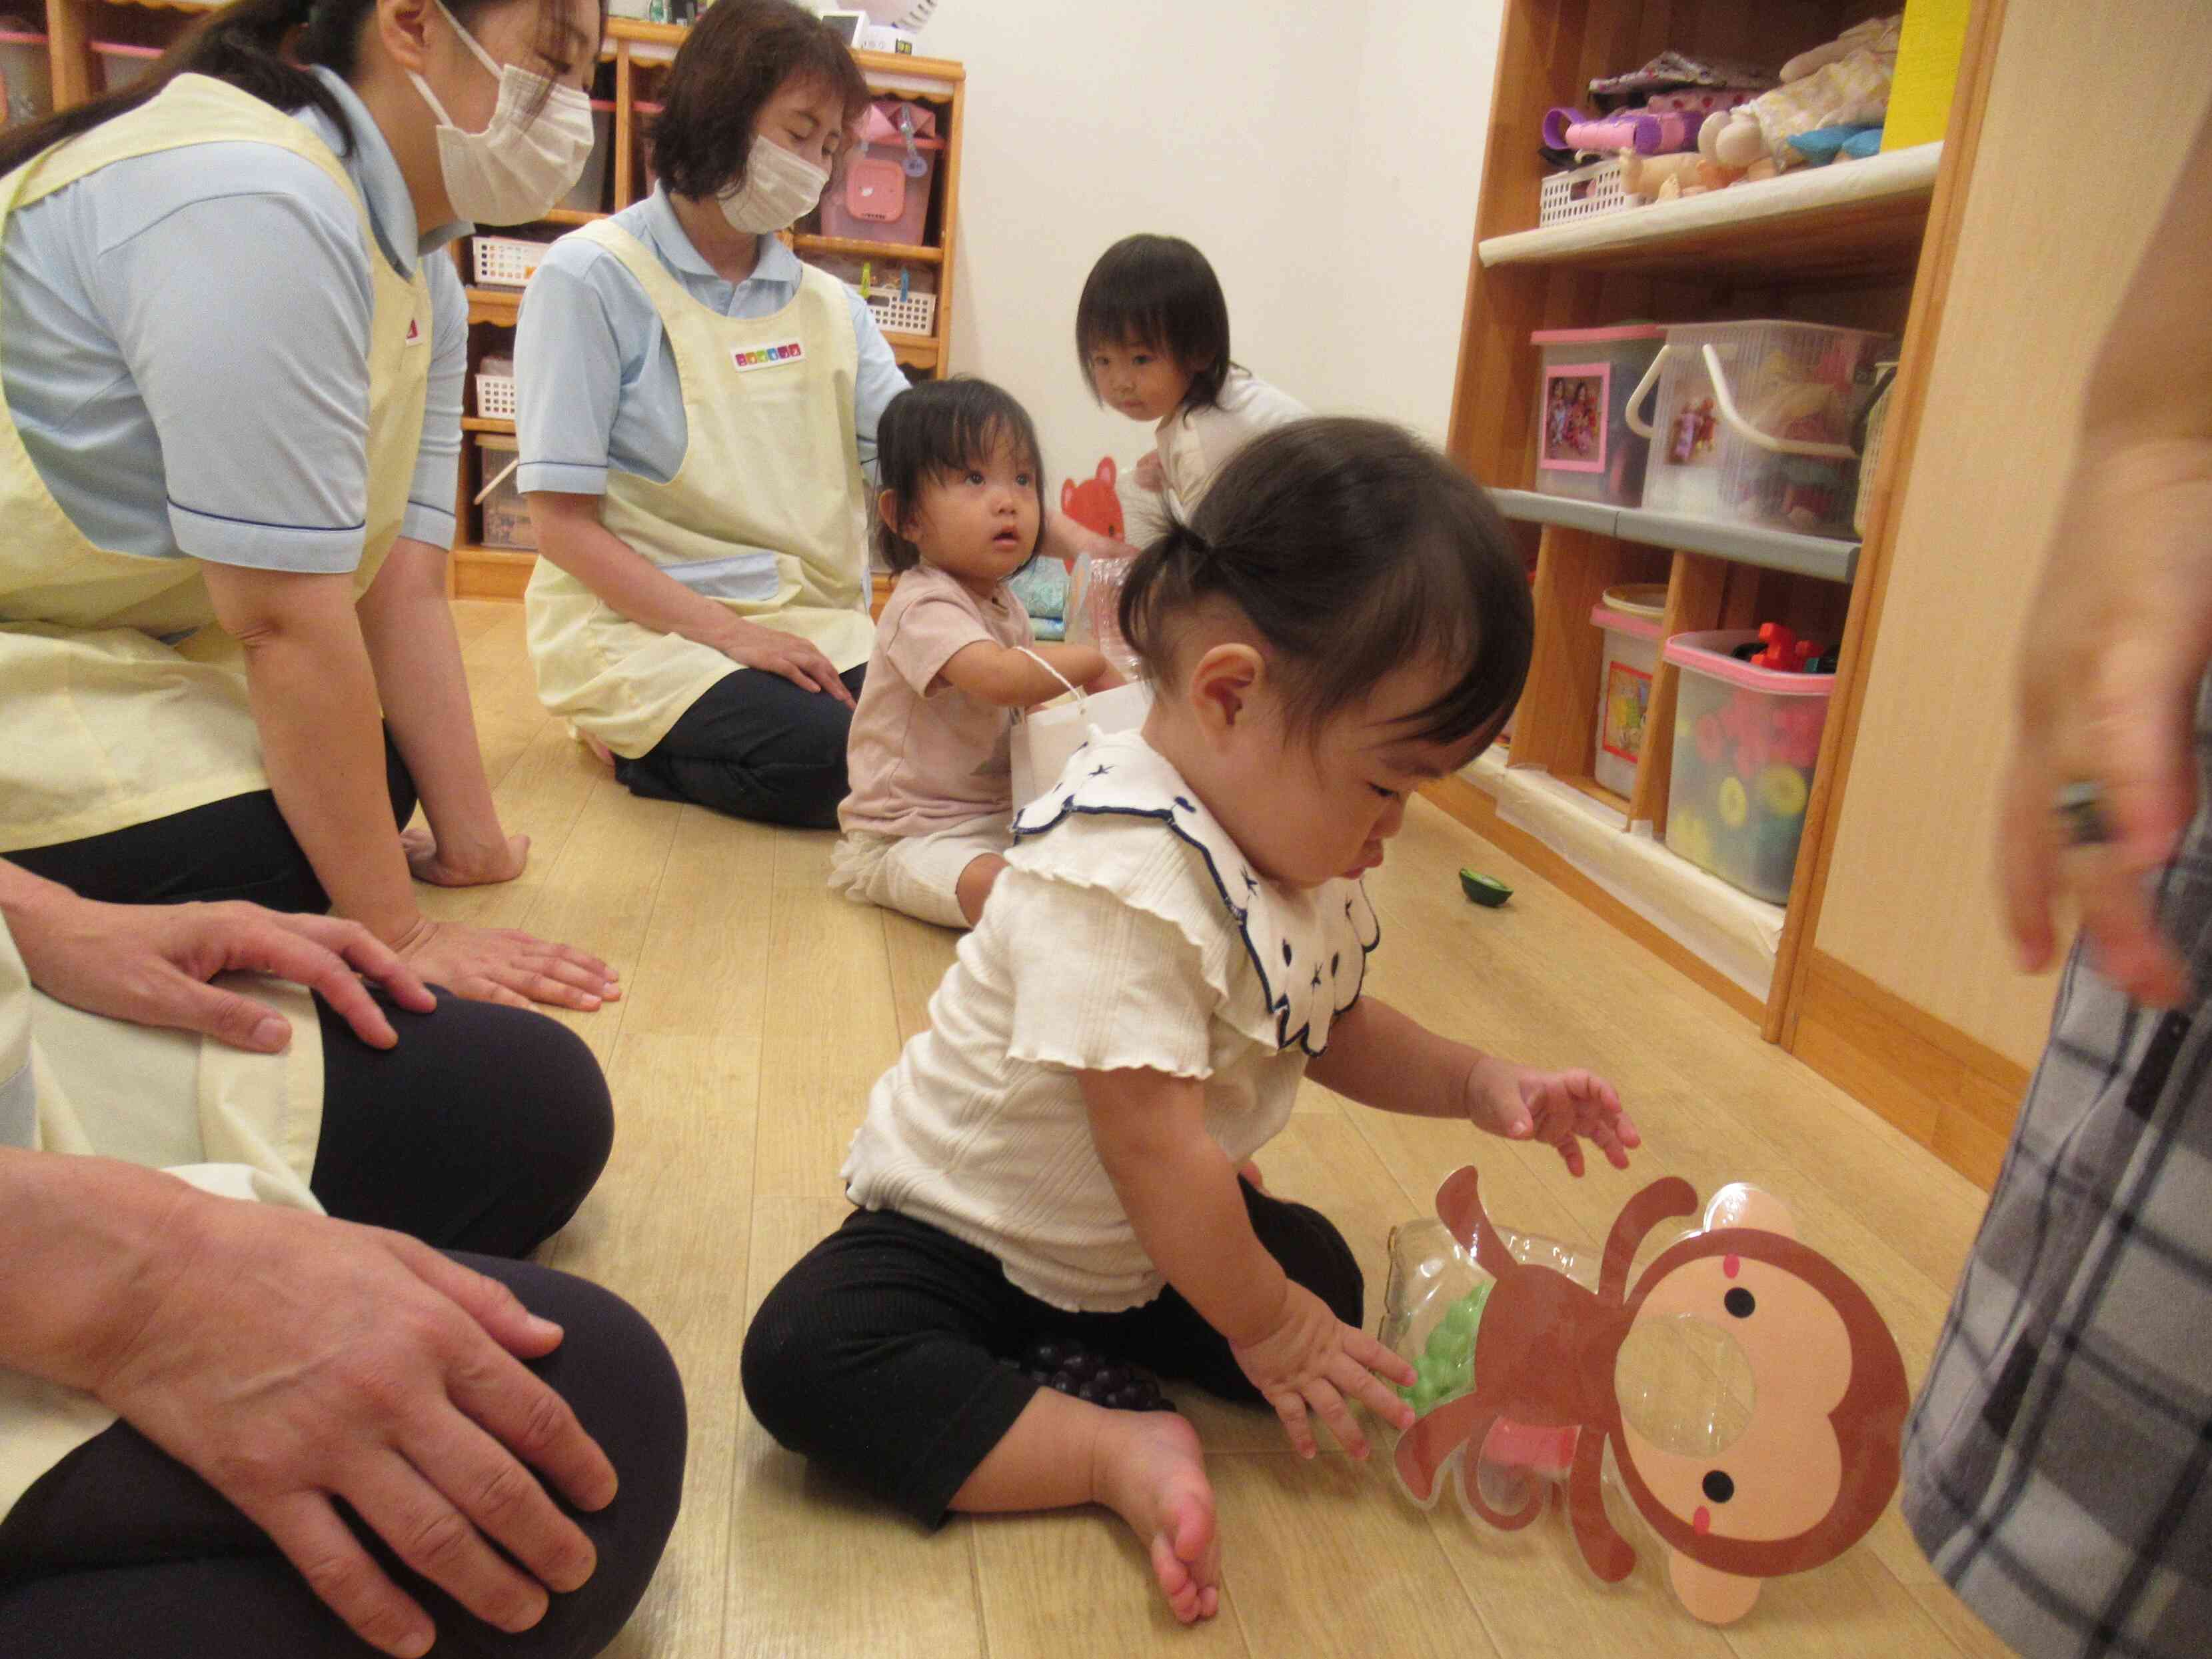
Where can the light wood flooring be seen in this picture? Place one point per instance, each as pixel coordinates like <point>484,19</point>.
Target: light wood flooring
<point>759,1010</point>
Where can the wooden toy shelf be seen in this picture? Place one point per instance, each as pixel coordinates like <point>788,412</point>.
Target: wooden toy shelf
<point>91,42</point>
<point>1847,245</point>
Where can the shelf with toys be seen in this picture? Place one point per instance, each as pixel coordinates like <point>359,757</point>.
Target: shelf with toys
<point>1675,395</point>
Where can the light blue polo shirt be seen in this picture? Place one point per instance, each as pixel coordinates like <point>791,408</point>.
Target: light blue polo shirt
<point>184,346</point>
<point>595,376</point>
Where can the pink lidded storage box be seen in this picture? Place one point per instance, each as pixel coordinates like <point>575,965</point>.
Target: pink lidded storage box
<point>881,193</point>
<point>1584,447</point>
<point>1746,741</point>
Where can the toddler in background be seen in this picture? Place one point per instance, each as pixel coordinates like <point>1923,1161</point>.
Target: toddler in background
<point>1180,936</point>
<point>1151,331</point>
<point>962,502</point>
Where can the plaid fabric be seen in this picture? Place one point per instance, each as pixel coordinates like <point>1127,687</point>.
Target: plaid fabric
<point>2054,1463</point>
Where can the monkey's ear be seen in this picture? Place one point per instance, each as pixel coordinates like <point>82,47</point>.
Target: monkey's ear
<point>1738,1204</point>
<point>1717,1597</point>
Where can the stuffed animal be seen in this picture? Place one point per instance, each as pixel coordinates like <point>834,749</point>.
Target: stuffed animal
<point>1843,84</point>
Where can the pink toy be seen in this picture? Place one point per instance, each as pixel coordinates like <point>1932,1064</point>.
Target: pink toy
<point>1786,1462</point>
<point>1639,130</point>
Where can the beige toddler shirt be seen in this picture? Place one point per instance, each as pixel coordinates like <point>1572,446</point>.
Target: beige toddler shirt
<point>924,756</point>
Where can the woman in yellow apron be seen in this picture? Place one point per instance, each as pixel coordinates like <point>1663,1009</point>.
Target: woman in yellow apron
<point>188,1378</point>
<point>696,409</point>
<point>222,314</point>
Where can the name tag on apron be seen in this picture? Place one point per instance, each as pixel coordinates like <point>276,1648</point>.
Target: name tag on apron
<point>749,358</point>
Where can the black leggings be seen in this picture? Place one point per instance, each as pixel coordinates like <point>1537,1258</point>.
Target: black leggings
<point>887,1353</point>
<point>239,849</point>
<point>482,1131</point>
<point>755,746</point>
<point>119,1549</point>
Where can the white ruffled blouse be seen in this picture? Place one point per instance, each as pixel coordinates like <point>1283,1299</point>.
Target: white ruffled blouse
<point>1129,932</point>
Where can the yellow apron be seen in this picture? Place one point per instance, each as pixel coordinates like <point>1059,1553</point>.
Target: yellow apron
<point>764,515</point>
<point>239,1124</point>
<point>106,726</point>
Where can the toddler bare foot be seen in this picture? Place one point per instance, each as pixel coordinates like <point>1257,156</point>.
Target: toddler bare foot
<point>1151,1474</point>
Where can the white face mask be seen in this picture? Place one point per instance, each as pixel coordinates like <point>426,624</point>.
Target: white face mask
<point>779,190</point>
<point>522,164</point>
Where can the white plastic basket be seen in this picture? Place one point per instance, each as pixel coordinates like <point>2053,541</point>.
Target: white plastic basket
<point>506,261</point>
<point>496,397</point>
<point>1584,193</point>
<point>912,313</point>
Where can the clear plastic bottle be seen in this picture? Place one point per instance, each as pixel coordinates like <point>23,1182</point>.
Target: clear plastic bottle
<point>1094,609</point>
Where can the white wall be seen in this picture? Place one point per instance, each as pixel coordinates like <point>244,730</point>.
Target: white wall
<point>1325,154</point>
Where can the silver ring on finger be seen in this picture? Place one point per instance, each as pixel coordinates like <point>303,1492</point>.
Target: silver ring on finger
<point>2080,807</point>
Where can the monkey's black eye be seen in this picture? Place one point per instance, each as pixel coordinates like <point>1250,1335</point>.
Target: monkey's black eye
<point>1719,1487</point>
<point>1740,1302</point>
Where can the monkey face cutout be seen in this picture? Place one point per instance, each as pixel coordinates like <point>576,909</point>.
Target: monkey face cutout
<point>1781,1451</point>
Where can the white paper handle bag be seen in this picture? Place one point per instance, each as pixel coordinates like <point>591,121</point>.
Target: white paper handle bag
<point>1044,739</point>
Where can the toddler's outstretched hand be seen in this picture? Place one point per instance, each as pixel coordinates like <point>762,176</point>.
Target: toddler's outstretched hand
<point>1563,1109</point>
<point>1151,475</point>
<point>1311,1361</point>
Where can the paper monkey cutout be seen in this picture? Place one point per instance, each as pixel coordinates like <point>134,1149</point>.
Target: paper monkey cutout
<point>1798,1481</point>
<point>1093,503</point>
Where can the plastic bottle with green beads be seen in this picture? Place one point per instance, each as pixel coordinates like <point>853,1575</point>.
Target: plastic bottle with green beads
<point>1444,1370</point>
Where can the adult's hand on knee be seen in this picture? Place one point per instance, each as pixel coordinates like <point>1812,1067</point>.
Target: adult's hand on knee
<point>504,964</point>
<point>150,964</point>
<point>773,651</point>
<point>292,1360</point>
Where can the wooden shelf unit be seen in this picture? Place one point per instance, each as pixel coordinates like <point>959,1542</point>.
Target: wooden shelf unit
<point>1848,244</point>
<point>84,37</point>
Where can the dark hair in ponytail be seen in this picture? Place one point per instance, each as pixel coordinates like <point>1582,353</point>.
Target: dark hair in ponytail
<point>251,45</point>
<point>1353,549</point>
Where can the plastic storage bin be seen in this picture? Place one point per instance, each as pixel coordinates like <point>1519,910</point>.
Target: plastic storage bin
<point>1755,422</point>
<point>1746,740</point>
<point>1631,620</point>
<point>1584,193</point>
<point>506,514</point>
<point>882,193</point>
<point>495,380</point>
<point>1584,447</point>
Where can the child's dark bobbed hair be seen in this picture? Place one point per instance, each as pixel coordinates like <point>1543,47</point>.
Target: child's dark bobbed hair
<point>944,427</point>
<point>1156,291</point>
<point>1353,549</point>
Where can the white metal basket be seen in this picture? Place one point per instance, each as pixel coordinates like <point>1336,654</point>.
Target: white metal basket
<point>912,313</point>
<point>506,261</point>
<point>496,397</point>
<point>1584,193</point>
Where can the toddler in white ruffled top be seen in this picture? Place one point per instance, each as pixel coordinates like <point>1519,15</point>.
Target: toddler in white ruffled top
<point>1181,935</point>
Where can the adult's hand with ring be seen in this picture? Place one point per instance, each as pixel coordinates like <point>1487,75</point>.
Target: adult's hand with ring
<point>2118,637</point>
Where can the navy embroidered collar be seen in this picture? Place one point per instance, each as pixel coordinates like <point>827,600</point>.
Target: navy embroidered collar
<point>1307,945</point>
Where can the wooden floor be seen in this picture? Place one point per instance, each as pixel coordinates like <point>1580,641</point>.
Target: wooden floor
<point>759,1010</point>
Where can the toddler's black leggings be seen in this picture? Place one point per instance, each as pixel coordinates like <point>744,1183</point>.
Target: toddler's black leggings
<point>887,1353</point>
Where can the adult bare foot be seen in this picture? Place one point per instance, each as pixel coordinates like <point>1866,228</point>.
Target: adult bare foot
<point>1150,1472</point>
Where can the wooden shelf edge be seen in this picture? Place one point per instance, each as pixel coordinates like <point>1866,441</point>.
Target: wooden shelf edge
<point>1822,557</point>
<point>807,243</point>
<point>1898,179</point>
<point>487,423</point>
<point>491,573</point>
